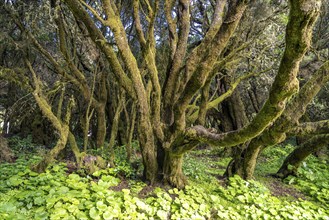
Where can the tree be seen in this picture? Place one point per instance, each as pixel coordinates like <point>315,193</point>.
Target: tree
<point>129,39</point>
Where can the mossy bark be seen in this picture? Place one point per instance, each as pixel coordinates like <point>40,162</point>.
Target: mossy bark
<point>114,130</point>
<point>146,141</point>
<point>245,167</point>
<point>50,157</point>
<point>298,39</point>
<point>61,125</point>
<point>287,123</point>
<point>204,102</point>
<point>101,126</point>
<point>92,163</point>
<point>75,149</point>
<point>172,170</point>
<point>130,132</point>
<point>298,155</point>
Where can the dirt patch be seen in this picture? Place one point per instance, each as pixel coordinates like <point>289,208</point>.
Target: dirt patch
<point>278,188</point>
<point>146,192</point>
<point>122,185</point>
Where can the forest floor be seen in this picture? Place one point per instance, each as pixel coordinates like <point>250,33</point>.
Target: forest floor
<point>118,193</point>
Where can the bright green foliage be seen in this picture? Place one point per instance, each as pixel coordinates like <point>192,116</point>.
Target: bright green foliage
<point>56,194</point>
<point>272,159</point>
<point>313,180</point>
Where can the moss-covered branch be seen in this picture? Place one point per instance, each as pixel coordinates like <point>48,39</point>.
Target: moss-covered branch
<point>61,126</point>
<point>81,14</point>
<point>310,128</point>
<point>298,40</point>
<point>233,85</point>
<point>114,129</point>
<point>178,52</point>
<point>198,67</point>
<point>16,76</point>
<point>297,156</point>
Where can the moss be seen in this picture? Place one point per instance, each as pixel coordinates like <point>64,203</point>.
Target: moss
<point>172,170</point>
<point>298,155</point>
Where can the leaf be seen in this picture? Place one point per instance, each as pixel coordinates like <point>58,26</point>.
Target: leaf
<point>291,181</point>
<point>241,198</point>
<point>40,214</point>
<point>39,200</point>
<point>141,205</point>
<point>74,176</point>
<point>61,212</point>
<point>94,214</point>
<point>63,190</point>
<point>273,211</point>
<point>101,206</point>
<point>186,205</point>
<point>14,181</point>
<point>97,173</point>
<point>56,168</point>
<point>162,214</point>
<point>72,208</point>
<point>8,207</point>
<point>126,191</point>
<point>107,215</point>
<point>81,215</point>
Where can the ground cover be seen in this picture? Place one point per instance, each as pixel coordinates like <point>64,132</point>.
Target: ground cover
<point>118,193</point>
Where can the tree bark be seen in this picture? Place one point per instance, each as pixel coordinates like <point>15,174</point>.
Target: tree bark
<point>286,123</point>
<point>101,126</point>
<point>298,155</point>
<point>114,130</point>
<point>172,170</point>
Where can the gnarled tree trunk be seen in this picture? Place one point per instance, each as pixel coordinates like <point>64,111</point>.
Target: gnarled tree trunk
<point>173,173</point>
<point>298,155</point>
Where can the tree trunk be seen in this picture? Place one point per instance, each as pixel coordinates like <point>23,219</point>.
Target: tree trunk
<point>101,126</point>
<point>147,145</point>
<point>203,106</point>
<point>130,133</point>
<point>298,155</point>
<point>114,130</point>
<point>50,157</point>
<point>172,170</point>
<point>244,163</point>
<point>75,149</point>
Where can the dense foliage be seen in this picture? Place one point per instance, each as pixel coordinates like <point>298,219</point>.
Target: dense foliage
<point>115,193</point>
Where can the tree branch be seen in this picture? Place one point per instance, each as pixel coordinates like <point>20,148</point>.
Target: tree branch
<point>298,40</point>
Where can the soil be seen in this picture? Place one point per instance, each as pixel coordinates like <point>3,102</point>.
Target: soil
<point>278,188</point>
<point>146,192</point>
<point>122,185</point>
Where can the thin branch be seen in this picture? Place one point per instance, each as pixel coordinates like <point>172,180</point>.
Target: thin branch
<point>94,12</point>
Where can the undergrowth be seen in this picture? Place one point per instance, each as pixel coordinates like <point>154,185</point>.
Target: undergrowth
<point>57,194</point>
